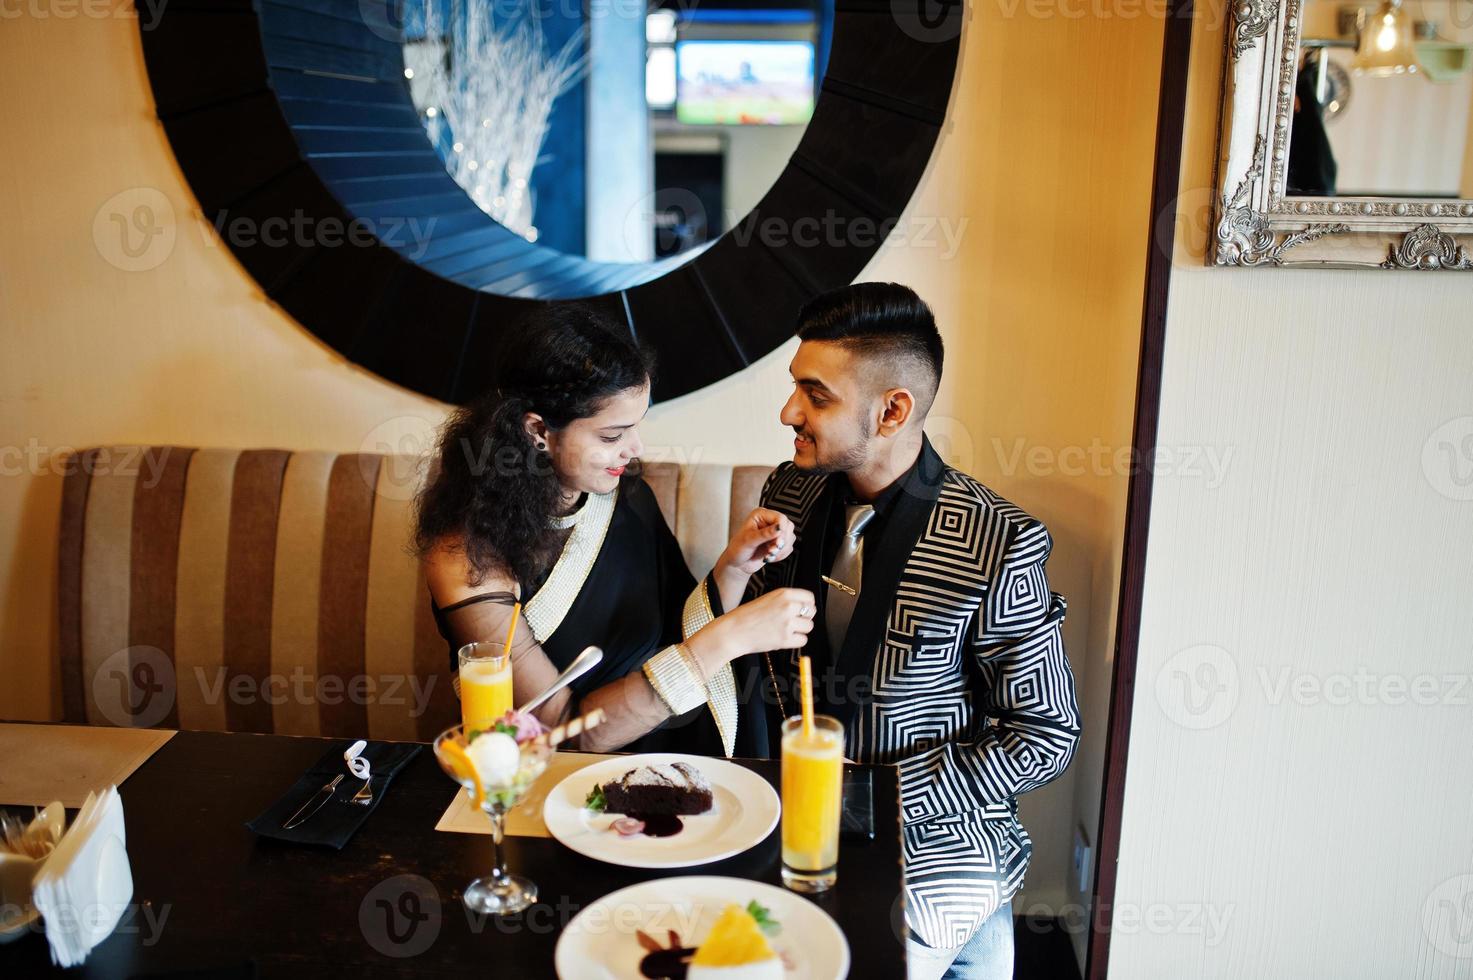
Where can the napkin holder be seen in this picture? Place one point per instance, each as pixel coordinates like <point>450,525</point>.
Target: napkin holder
<point>83,887</point>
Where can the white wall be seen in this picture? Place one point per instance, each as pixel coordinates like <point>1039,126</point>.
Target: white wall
<point>1300,782</point>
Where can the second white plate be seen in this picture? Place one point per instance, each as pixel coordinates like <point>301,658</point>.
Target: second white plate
<point>744,811</point>
<point>600,942</point>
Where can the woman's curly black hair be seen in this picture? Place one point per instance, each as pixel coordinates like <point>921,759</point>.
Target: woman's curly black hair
<point>491,486</point>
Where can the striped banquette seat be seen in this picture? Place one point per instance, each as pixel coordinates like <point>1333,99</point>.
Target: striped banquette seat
<point>264,590</point>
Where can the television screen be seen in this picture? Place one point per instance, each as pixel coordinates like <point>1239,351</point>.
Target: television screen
<point>732,83</point>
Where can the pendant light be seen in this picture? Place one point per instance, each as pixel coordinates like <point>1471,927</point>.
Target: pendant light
<point>1386,46</point>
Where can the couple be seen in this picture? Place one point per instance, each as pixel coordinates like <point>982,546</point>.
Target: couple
<point>919,594</point>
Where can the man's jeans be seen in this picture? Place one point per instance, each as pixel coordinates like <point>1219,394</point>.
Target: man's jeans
<point>988,955</point>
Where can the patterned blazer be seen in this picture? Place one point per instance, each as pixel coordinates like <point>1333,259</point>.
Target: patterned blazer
<point>953,669</point>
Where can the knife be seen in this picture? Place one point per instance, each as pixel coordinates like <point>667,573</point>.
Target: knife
<point>314,804</point>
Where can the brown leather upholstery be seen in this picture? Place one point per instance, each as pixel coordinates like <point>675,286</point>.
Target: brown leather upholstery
<point>274,591</point>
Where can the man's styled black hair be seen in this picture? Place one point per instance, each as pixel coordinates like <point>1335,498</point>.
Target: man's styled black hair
<point>880,321</point>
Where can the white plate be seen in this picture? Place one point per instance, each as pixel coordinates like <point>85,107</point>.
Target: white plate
<point>744,810</point>
<point>599,944</point>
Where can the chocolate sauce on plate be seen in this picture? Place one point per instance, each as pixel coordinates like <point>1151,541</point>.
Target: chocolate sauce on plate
<point>667,964</point>
<point>660,825</point>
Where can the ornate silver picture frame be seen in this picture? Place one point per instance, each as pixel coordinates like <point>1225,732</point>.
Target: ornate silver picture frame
<point>1257,223</point>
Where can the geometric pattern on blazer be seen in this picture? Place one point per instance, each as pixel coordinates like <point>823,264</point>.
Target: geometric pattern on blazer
<point>972,696</point>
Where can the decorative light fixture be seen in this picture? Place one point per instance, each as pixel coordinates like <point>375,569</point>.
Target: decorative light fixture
<point>660,27</point>
<point>1386,45</point>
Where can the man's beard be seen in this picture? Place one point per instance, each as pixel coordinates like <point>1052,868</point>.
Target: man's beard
<point>852,457</point>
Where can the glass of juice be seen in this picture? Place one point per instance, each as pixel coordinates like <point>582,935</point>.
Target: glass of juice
<point>813,789</point>
<point>485,684</point>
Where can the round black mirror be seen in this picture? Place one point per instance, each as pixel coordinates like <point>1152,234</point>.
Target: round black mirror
<point>321,141</point>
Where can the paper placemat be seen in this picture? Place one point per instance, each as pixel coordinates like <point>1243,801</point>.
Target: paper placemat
<point>524,819</point>
<point>41,763</point>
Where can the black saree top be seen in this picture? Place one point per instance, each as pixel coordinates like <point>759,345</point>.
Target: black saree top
<point>629,604</point>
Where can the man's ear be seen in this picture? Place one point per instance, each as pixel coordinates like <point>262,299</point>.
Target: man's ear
<point>896,409</point>
<point>536,429</point>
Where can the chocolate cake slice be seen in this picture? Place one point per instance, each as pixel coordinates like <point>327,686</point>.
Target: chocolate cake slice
<point>676,789</point>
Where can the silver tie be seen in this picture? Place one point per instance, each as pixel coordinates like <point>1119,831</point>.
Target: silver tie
<point>848,569</point>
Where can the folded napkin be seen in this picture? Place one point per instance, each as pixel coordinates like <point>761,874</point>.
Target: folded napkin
<point>86,883</point>
<point>338,820</point>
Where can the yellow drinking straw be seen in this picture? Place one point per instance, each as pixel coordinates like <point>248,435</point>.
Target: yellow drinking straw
<point>805,686</point>
<point>511,631</point>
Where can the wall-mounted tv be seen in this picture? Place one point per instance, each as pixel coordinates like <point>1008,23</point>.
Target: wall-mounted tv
<point>738,83</point>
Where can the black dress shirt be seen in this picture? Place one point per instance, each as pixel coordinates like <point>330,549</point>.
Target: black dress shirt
<point>884,505</point>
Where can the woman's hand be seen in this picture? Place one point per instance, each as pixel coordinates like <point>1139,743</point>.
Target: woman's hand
<point>764,536</point>
<point>778,620</point>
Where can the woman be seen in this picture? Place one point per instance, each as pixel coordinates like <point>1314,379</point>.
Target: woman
<point>531,498</point>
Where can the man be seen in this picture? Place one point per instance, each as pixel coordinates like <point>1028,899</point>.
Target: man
<point>936,641</point>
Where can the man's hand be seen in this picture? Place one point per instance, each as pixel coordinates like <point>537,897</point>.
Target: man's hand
<point>777,620</point>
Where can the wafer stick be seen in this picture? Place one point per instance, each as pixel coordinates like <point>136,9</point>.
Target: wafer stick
<point>574,728</point>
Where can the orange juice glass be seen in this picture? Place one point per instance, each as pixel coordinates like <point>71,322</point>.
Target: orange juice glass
<point>813,790</point>
<point>485,684</point>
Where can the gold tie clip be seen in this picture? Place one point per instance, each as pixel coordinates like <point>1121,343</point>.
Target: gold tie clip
<point>839,585</point>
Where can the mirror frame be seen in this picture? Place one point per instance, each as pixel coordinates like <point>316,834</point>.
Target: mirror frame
<point>1257,223</point>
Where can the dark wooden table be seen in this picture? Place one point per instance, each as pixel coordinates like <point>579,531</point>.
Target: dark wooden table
<point>210,898</point>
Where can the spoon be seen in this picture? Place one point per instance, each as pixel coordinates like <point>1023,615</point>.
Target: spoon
<point>35,839</point>
<point>582,664</point>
